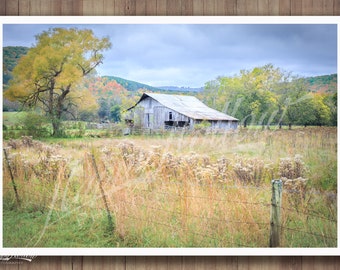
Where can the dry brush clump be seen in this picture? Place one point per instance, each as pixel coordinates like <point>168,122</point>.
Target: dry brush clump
<point>183,194</point>
<point>252,170</point>
<point>292,171</point>
<point>182,191</point>
<point>200,168</point>
<point>35,168</point>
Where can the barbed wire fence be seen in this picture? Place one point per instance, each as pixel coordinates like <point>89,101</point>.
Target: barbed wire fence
<point>177,219</point>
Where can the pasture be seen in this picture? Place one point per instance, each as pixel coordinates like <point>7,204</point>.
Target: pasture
<point>173,190</point>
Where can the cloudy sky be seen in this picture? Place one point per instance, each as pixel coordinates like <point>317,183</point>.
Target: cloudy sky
<point>192,54</point>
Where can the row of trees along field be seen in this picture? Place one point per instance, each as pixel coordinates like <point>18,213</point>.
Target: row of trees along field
<point>269,95</point>
<point>57,78</point>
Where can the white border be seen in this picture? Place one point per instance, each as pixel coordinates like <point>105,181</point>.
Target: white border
<point>167,251</point>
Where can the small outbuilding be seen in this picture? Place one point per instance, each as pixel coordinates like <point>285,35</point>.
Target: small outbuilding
<point>163,111</point>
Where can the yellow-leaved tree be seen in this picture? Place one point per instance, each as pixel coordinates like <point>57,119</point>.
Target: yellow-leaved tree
<point>47,76</point>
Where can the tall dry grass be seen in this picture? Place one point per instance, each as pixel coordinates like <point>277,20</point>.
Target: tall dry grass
<point>182,191</point>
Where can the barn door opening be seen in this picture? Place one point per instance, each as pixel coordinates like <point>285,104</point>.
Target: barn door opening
<point>168,124</point>
<point>148,119</point>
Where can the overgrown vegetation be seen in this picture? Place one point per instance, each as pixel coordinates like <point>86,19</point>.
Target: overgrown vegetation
<point>18,124</point>
<point>172,190</point>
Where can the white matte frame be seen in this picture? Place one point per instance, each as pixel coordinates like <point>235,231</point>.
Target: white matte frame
<point>169,251</point>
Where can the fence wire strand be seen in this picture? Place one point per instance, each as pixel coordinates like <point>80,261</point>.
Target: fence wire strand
<point>308,214</point>
<point>182,229</point>
<point>209,218</point>
<point>208,198</point>
<point>309,233</point>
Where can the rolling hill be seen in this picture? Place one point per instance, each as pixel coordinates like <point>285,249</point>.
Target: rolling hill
<point>131,85</point>
<point>322,84</point>
<point>11,56</point>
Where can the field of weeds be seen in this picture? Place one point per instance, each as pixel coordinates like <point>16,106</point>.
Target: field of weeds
<point>171,191</point>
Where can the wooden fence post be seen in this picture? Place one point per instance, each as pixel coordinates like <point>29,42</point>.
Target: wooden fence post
<point>275,214</point>
<point>94,164</point>
<point>12,177</point>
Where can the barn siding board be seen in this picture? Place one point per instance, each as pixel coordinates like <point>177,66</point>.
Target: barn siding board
<point>160,7</point>
<point>66,6</point>
<point>24,7</point>
<point>155,7</point>
<point>3,11</point>
<point>35,8</point>
<point>284,7</point>
<point>12,7</point>
<point>328,7</point>
<point>296,7</point>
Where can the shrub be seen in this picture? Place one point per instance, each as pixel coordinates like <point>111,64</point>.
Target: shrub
<point>35,125</point>
<point>202,127</point>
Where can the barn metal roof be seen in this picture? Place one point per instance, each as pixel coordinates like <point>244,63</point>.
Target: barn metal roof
<point>189,106</point>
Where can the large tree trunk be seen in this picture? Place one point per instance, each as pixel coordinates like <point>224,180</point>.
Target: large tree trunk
<point>245,122</point>
<point>56,123</point>
<point>57,132</point>
<point>57,113</point>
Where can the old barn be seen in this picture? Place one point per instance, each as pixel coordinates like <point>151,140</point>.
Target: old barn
<point>162,111</point>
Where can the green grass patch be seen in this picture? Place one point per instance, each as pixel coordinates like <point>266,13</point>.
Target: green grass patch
<point>13,118</point>
<point>56,229</point>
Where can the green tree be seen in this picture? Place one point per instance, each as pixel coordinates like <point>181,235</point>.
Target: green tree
<point>332,102</point>
<point>115,113</point>
<point>34,124</point>
<point>295,103</point>
<point>321,111</point>
<point>266,95</point>
<point>249,96</point>
<point>298,106</point>
<point>46,77</point>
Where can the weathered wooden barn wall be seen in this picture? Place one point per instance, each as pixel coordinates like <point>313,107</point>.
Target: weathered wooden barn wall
<point>149,113</point>
<point>174,7</point>
<point>170,7</point>
<point>224,124</point>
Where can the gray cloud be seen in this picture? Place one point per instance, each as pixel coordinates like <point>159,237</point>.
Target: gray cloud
<point>190,55</point>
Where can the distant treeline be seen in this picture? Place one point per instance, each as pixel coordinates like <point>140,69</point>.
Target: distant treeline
<point>262,95</point>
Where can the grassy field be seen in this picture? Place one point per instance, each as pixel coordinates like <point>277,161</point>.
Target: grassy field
<point>12,118</point>
<point>173,190</point>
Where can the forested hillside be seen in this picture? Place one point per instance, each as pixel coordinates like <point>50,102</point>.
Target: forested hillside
<point>262,95</point>
<point>131,85</point>
<point>322,84</point>
<point>11,56</point>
